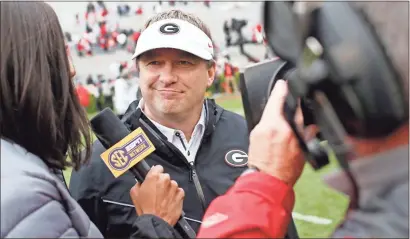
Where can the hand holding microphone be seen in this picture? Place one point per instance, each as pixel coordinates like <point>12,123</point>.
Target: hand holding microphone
<point>158,195</point>
<point>126,151</point>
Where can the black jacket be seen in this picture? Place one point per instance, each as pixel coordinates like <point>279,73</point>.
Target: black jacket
<point>220,160</point>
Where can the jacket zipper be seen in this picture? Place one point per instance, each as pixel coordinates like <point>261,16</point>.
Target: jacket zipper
<point>193,176</point>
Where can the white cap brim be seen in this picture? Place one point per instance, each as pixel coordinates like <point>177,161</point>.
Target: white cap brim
<point>175,34</point>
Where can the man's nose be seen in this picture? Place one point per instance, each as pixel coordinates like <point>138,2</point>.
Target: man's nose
<point>167,75</point>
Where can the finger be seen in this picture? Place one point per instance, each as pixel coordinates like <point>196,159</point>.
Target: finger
<point>174,183</point>
<point>134,192</point>
<point>274,106</point>
<point>163,187</point>
<point>310,132</point>
<point>180,195</point>
<point>299,118</point>
<point>170,199</point>
<point>179,199</point>
<point>173,190</point>
<point>156,170</point>
<point>164,182</point>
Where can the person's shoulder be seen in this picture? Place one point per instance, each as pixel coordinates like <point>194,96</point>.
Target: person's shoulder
<point>17,161</point>
<point>30,186</point>
<point>231,116</point>
<point>22,171</point>
<point>30,198</point>
<point>231,123</point>
<point>36,205</point>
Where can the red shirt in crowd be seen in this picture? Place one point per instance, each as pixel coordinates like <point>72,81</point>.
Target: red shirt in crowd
<point>228,70</point>
<point>83,95</point>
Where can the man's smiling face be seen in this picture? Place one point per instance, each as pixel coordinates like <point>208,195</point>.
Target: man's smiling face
<point>173,81</point>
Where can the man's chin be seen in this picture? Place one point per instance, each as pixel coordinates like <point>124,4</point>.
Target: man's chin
<point>169,107</point>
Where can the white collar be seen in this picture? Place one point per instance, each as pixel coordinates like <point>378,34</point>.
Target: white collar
<point>169,132</point>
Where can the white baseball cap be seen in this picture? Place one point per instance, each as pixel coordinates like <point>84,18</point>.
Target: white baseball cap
<point>176,34</point>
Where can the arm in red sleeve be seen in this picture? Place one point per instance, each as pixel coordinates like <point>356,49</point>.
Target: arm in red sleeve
<point>258,205</point>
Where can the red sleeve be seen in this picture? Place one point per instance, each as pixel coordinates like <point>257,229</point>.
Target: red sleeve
<point>258,205</point>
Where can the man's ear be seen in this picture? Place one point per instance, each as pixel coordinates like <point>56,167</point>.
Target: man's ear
<point>137,66</point>
<point>211,72</point>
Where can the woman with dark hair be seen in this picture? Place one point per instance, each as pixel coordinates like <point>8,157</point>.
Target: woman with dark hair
<point>39,110</point>
<point>44,129</point>
<point>42,124</point>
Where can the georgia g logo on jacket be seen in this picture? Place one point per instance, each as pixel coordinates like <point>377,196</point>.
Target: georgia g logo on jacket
<point>236,158</point>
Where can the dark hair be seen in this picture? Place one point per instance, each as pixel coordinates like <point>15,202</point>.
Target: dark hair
<point>39,109</point>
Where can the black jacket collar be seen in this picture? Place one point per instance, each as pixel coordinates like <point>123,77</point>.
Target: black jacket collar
<point>132,117</point>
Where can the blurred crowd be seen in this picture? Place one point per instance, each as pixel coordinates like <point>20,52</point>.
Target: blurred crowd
<point>102,33</point>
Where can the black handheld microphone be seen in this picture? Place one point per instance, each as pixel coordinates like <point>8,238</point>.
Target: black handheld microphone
<point>128,147</point>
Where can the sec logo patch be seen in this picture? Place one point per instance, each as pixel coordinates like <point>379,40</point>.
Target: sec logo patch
<point>236,158</point>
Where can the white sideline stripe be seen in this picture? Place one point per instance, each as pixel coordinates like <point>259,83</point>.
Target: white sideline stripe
<point>129,205</point>
<point>311,219</point>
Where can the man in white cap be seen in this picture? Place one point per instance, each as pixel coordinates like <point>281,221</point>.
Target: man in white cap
<point>199,144</point>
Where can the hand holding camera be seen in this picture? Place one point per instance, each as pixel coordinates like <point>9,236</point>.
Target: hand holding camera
<point>273,134</point>
<point>285,159</point>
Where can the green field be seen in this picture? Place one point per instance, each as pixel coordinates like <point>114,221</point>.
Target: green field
<point>312,196</point>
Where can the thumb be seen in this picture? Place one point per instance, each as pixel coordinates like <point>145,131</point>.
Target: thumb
<point>274,106</point>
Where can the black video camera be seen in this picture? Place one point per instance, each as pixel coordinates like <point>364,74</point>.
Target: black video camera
<point>352,85</point>
<point>336,65</point>
<point>256,84</point>
<point>258,80</point>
